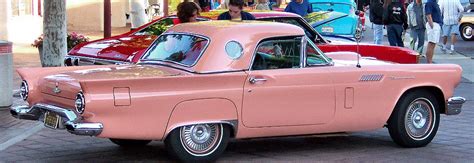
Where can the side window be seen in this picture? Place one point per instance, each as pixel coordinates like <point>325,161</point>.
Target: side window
<point>314,56</point>
<point>158,28</point>
<point>278,54</point>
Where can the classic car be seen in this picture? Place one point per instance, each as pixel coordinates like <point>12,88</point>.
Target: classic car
<point>467,25</point>
<point>201,84</point>
<point>129,47</point>
<point>344,18</point>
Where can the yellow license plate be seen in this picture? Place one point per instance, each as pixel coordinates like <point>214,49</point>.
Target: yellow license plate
<point>51,120</point>
<point>327,30</point>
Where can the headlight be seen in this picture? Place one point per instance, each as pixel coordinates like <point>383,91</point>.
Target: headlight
<point>80,103</point>
<point>24,90</point>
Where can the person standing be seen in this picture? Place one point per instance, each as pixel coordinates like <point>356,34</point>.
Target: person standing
<point>187,12</point>
<point>396,20</point>
<point>433,27</point>
<point>300,7</point>
<point>451,11</point>
<point>138,15</point>
<point>376,14</point>
<point>416,23</point>
<point>262,5</point>
<point>235,12</point>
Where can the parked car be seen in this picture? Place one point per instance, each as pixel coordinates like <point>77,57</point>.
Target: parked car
<point>129,47</point>
<point>467,25</point>
<point>343,18</point>
<point>200,84</point>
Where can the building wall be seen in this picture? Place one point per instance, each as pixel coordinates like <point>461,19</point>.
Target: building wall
<point>84,14</point>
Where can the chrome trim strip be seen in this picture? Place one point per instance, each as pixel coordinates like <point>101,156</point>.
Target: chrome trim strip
<point>81,60</point>
<point>233,123</point>
<point>454,105</point>
<point>371,77</point>
<point>70,119</point>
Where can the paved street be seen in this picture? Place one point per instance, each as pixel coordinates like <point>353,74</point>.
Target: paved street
<point>30,141</point>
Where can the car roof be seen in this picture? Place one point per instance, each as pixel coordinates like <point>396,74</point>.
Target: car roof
<point>247,33</point>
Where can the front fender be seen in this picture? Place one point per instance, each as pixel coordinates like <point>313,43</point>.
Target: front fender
<point>198,111</point>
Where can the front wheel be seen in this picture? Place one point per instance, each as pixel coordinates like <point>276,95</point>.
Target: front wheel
<point>415,119</point>
<point>198,143</point>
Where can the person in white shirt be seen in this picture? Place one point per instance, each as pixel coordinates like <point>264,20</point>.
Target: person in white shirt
<point>451,11</point>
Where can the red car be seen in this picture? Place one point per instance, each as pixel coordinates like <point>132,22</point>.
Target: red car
<point>128,47</point>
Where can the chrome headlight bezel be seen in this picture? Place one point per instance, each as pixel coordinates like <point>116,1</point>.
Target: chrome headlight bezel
<point>79,103</point>
<point>24,90</point>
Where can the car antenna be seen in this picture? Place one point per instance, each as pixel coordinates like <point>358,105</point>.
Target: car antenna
<point>358,54</point>
<point>358,38</point>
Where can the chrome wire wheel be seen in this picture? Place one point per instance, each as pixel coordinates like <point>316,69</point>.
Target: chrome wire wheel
<point>419,119</point>
<point>467,32</point>
<point>201,139</point>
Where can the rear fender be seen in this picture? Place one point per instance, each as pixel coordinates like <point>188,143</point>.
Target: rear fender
<point>199,111</point>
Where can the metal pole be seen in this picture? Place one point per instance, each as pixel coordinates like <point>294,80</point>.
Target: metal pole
<point>107,18</point>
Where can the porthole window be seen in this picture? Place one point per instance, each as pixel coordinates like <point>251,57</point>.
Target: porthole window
<point>234,50</point>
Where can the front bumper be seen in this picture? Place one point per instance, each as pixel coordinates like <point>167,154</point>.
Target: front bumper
<point>69,119</point>
<point>454,105</point>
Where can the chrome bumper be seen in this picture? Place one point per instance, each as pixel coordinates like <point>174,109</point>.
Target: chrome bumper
<point>69,119</point>
<point>454,105</point>
<point>82,61</point>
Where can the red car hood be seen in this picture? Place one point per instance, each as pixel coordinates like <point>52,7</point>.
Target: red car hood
<point>118,48</point>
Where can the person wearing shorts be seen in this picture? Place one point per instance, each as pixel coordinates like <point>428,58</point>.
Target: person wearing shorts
<point>451,11</point>
<point>433,27</point>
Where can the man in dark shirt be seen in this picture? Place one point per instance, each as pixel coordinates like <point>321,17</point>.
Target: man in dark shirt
<point>300,7</point>
<point>433,27</point>
<point>235,12</point>
<point>396,20</point>
<point>376,15</point>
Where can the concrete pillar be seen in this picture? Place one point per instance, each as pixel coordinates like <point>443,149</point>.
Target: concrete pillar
<point>6,74</point>
<point>5,14</point>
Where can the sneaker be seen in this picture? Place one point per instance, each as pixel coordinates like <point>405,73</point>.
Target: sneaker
<point>443,48</point>
<point>451,51</point>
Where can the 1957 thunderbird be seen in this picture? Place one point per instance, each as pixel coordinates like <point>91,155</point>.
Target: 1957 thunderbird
<point>200,84</point>
<point>129,47</point>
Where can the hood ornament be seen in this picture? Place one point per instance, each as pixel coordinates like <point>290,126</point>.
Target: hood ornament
<point>56,88</point>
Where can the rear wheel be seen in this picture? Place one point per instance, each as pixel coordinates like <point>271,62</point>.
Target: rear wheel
<point>466,32</point>
<point>198,143</point>
<point>129,142</point>
<point>415,120</point>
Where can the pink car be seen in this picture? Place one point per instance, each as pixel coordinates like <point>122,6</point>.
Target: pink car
<point>201,84</point>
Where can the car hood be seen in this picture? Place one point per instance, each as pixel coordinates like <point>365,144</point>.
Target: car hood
<point>118,48</point>
<point>317,19</point>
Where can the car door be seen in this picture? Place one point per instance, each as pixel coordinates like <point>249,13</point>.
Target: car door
<point>280,91</point>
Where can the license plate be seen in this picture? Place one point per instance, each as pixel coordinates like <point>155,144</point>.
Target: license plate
<point>328,30</point>
<point>51,120</point>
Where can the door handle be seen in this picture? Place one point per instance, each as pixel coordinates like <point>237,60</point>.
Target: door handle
<point>254,80</point>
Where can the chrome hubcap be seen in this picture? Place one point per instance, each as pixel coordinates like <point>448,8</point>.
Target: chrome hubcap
<point>467,32</point>
<point>419,119</point>
<point>201,139</point>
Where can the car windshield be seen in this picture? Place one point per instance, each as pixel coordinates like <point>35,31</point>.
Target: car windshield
<point>183,49</point>
<point>331,6</point>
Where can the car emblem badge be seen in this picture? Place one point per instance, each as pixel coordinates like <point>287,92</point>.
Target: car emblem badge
<point>56,88</point>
